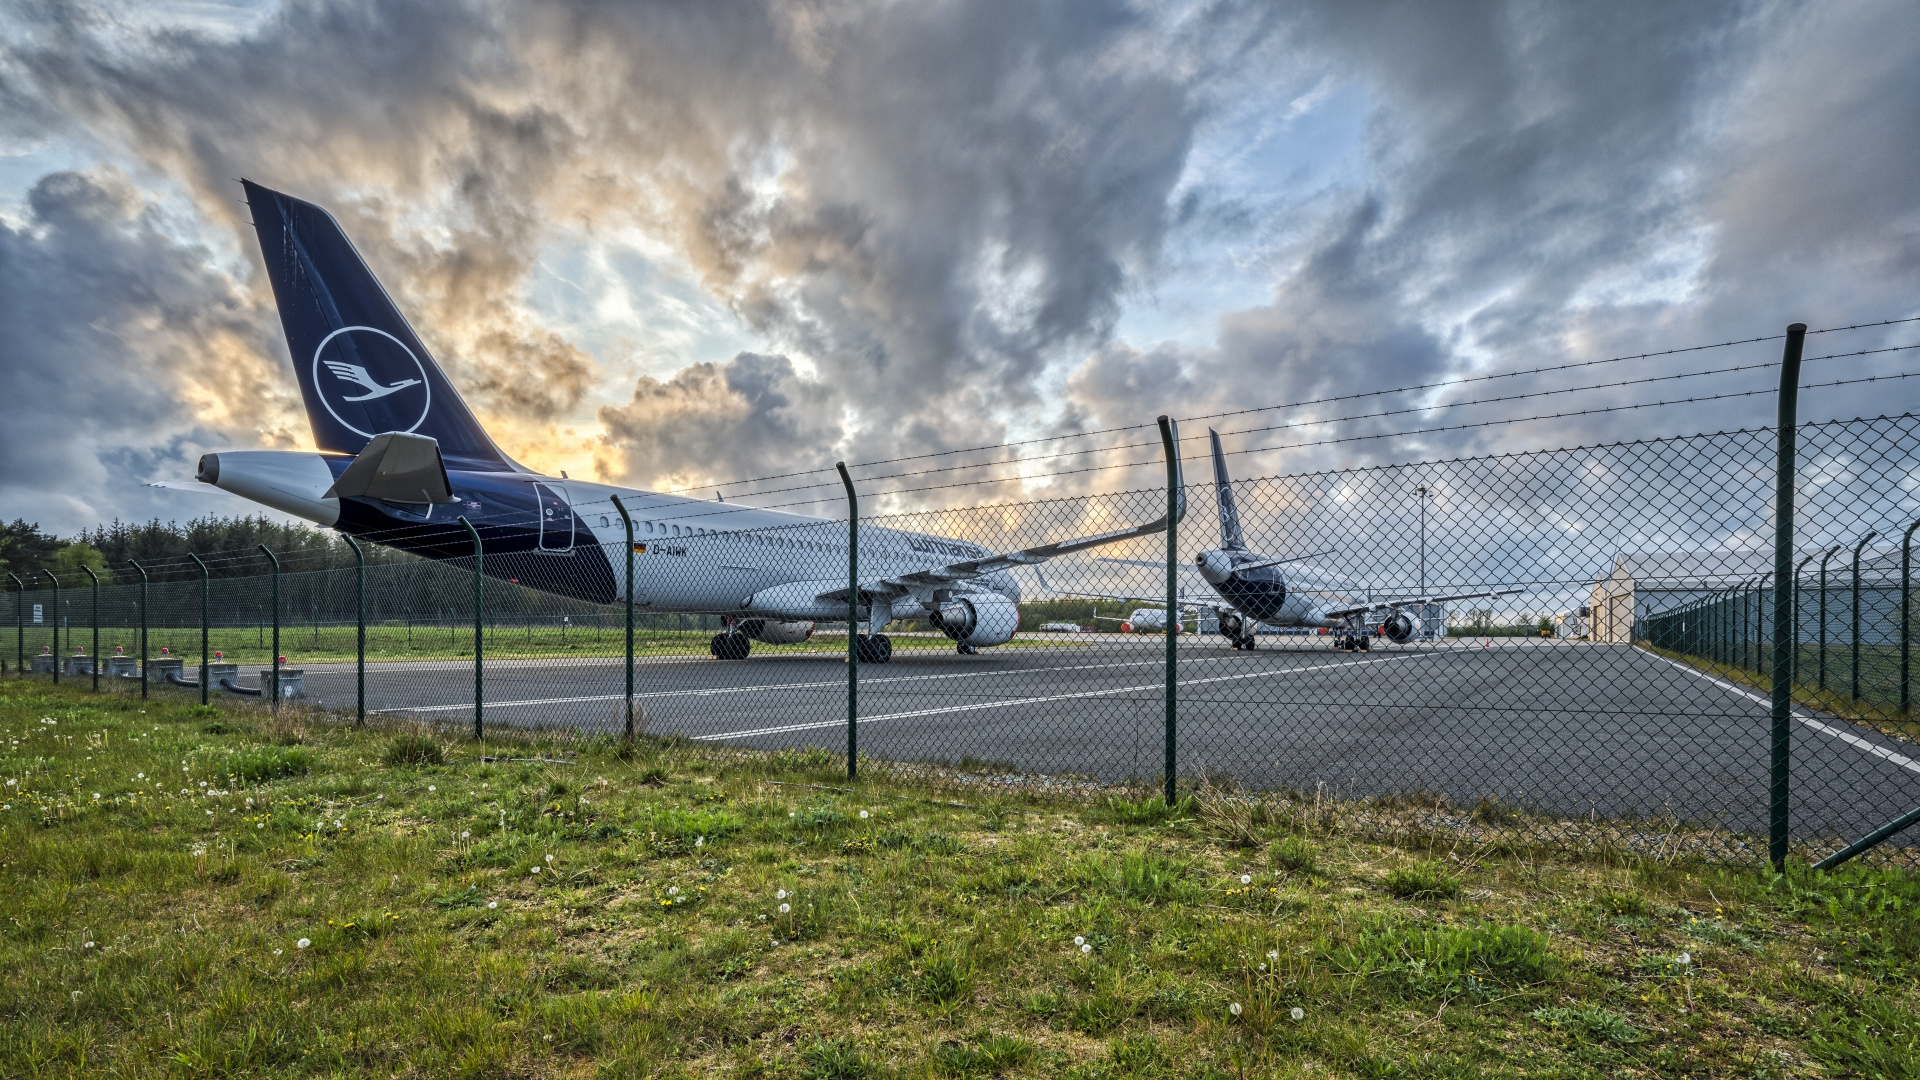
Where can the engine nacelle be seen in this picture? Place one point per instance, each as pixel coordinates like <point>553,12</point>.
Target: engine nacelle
<point>776,633</point>
<point>1400,627</point>
<point>977,619</point>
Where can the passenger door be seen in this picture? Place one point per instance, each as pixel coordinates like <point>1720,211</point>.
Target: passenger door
<point>556,518</point>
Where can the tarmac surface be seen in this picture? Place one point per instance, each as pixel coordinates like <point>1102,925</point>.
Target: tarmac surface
<point>1570,728</point>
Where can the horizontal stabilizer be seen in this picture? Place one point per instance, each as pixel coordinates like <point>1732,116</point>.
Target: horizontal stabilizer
<point>396,467</point>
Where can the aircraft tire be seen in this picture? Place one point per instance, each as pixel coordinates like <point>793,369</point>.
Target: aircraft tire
<point>730,646</point>
<point>1249,643</point>
<point>965,649</point>
<point>882,649</point>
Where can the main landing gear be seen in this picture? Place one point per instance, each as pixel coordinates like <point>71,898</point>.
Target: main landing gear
<point>730,645</point>
<point>1352,643</point>
<point>877,649</point>
<point>965,649</point>
<point>1245,642</point>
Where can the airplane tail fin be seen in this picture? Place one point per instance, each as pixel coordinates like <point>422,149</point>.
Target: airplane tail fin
<point>362,370</point>
<point>1223,488</point>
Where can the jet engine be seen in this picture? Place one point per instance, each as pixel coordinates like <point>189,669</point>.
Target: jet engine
<point>1216,566</point>
<point>977,619</point>
<point>776,633</point>
<point>1400,627</point>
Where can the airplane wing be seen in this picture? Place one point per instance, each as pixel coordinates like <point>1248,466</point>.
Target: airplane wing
<point>1403,601</point>
<point>1243,566</point>
<point>1155,601</point>
<point>971,569</point>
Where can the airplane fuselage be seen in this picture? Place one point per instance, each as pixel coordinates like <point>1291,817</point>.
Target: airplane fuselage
<point>566,537</point>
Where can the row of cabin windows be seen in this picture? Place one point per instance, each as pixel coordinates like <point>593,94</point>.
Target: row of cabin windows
<point>648,528</point>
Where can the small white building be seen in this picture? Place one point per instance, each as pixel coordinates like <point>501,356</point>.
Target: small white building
<point>1643,583</point>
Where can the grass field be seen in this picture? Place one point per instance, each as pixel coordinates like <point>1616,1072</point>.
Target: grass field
<point>191,892</point>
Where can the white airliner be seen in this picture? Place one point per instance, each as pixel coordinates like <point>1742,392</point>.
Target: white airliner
<point>403,462</point>
<point>1250,590</point>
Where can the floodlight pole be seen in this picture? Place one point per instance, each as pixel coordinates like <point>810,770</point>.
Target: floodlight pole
<point>627,520</point>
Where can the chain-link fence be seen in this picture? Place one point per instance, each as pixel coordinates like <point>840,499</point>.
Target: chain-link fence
<point>1571,647</point>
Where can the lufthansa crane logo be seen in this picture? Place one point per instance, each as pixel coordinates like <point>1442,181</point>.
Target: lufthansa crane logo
<point>371,381</point>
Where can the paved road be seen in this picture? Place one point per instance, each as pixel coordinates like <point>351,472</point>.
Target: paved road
<point>1572,728</point>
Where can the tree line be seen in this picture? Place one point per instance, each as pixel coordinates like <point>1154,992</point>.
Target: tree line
<point>230,546</point>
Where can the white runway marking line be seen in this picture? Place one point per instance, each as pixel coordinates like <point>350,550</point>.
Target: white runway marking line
<point>835,683</point>
<point>716,690</point>
<point>1828,730</point>
<point>947,710</point>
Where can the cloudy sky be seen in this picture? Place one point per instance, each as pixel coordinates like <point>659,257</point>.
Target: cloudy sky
<point>677,245</point>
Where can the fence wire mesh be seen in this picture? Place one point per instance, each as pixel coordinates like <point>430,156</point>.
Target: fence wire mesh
<point>1568,647</point>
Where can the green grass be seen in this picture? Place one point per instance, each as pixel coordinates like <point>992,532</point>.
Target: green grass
<point>622,916</point>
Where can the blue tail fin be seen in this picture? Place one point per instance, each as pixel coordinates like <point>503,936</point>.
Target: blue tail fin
<point>1223,488</point>
<point>362,370</point>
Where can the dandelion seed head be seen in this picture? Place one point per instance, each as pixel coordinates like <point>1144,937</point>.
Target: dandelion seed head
<point>1078,940</point>
<point>277,952</point>
<point>535,870</point>
<point>1273,954</point>
<point>302,943</point>
<point>784,908</point>
<point>1234,1008</point>
<point>1085,949</point>
<point>492,904</point>
<point>1684,958</point>
<point>864,815</point>
<point>1298,1013</point>
<point>780,894</point>
<point>464,834</point>
<point>549,858</point>
<point>673,890</point>
<point>1246,879</point>
<point>89,945</point>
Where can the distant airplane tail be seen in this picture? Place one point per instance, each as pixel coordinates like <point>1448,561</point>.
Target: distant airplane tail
<point>1223,489</point>
<point>362,370</point>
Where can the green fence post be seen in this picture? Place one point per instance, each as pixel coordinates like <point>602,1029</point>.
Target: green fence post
<point>19,624</point>
<point>1779,789</point>
<point>1856,611</point>
<point>142,571</point>
<point>627,520</point>
<point>54,618</point>
<point>1176,504</point>
<point>360,624</point>
<point>1906,618</point>
<point>1795,643</point>
<point>479,644</point>
<point>853,624</point>
<point>206,656</point>
<point>1822,656</point>
<point>275,691</point>
<point>96,624</point>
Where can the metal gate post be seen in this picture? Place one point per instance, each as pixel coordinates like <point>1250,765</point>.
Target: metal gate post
<point>627,520</point>
<point>853,625</point>
<point>1779,785</point>
<point>54,617</point>
<point>1795,643</point>
<point>360,635</point>
<point>143,625</point>
<point>20,624</point>
<point>479,642</point>
<point>276,626</point>
<point>1176,501</point>
<point>206,655</point>
<point>1906,618</point>
<point>1856,611</point>
<point>1823,614</point>
<point>96,623</point>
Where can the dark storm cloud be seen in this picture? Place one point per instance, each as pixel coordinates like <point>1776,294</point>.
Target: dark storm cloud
<point>928,202</point>
<point>936,210</point>
<point>124,354</point>
<point>1533,167</point>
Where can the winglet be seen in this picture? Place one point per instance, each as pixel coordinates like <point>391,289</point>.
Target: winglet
<point>1223,489</point>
